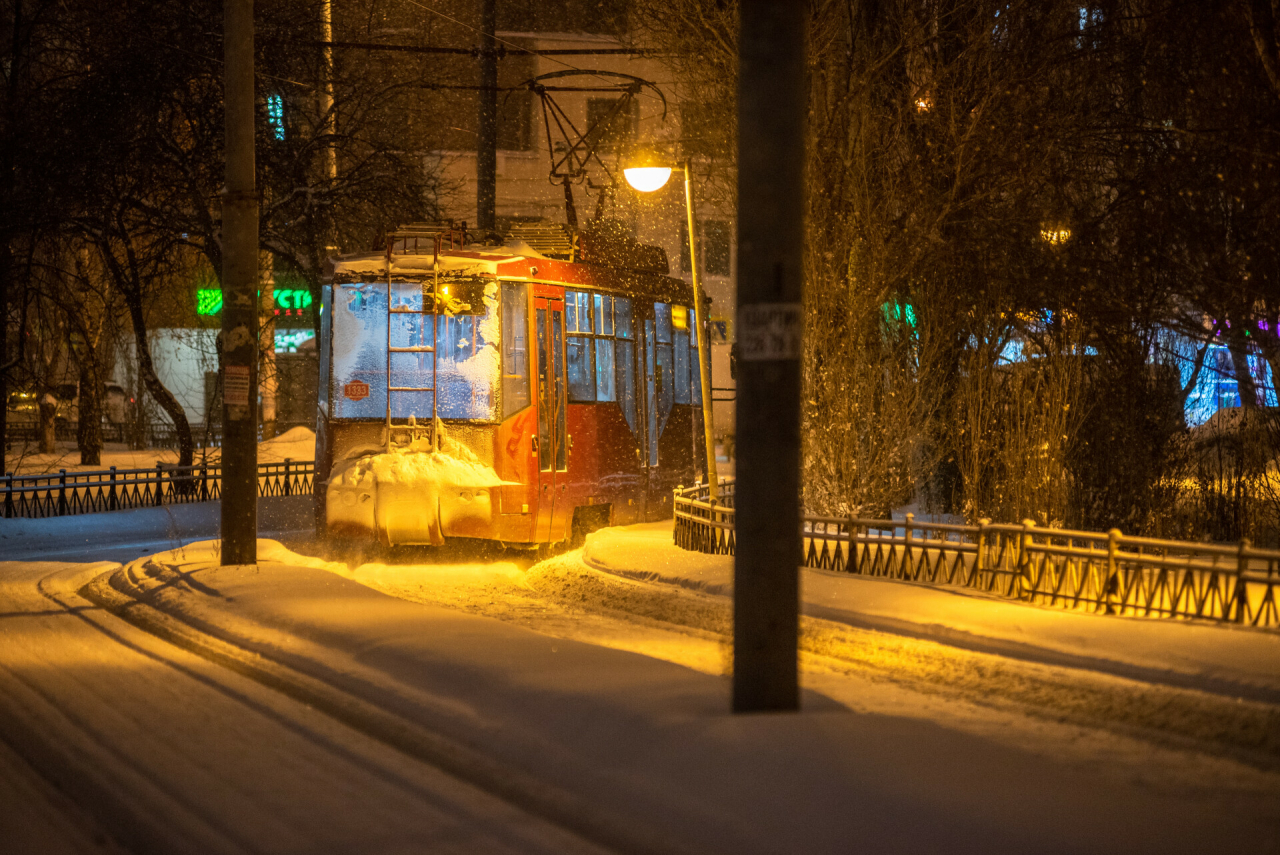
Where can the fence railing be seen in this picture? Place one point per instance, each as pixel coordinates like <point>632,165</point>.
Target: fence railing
<point>79,492</point>
<point>1110,573</point>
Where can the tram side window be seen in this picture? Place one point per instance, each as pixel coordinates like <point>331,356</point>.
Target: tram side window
<point>680,369</point>
<point>604,327</point>
<point>695,367</point>
<point>515,347</point>
<point>625,361</point>
<point>582,379</point>
<point>600,366</point>
<point>579,346</point>
<point>664,357</point>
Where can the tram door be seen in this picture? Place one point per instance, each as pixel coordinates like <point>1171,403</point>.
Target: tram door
<point>552,439</point>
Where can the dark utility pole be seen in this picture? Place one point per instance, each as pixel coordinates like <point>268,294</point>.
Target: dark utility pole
<point>771,113</point>
<point>239,296</point>
<point>487,138</point>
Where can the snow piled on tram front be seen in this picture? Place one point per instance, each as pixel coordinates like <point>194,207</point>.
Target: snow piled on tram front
<point>407,496</point>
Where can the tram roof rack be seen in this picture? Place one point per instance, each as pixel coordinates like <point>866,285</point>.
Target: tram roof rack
<point>554,240</point>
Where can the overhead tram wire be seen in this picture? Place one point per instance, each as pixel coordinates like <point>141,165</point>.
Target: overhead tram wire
<point>544,54</point>
<point>472,51</point>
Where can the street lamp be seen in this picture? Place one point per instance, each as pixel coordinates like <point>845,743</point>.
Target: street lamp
<point>646,176</point>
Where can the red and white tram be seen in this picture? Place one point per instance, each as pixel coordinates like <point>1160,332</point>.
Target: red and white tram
<point>496,392</point>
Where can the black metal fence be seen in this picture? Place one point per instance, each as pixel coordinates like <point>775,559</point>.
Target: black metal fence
<point>78,492</point>
<point>1110,573</point>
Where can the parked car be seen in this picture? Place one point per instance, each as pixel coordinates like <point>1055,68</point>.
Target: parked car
<point>22,410</point>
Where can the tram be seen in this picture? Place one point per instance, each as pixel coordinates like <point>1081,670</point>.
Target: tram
<point>504,393</point>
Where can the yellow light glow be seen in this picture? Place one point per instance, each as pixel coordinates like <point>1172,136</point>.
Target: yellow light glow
<point>923,105</point>
<point>444,289</point>
<point>646,179</point>
<point>679,317</point>
<point>1055,236</point>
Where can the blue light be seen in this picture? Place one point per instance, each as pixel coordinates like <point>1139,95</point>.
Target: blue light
<point>275,115</point>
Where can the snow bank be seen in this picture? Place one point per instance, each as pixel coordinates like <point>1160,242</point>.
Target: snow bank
<point>1223,659</point>
<point>298,443</point>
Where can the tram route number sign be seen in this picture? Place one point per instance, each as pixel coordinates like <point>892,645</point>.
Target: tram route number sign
<point>356,390</point>
<point>769,331</point>
<point>236,385</point>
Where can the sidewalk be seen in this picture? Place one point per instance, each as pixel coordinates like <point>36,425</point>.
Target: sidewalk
<point>167,525</point>
<point>650,746</point>
<point>1226,660</point>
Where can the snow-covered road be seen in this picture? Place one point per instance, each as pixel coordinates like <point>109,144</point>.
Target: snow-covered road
<point>168,752</point>
<point>602,702</point>
<point>497,705</point>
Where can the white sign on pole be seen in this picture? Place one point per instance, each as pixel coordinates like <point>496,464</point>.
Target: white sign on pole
<point>769,331</point>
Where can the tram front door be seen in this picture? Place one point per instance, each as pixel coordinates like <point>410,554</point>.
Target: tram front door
<point>552,438</point>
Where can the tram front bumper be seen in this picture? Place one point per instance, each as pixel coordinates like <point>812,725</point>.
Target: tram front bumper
<point>361,506</point>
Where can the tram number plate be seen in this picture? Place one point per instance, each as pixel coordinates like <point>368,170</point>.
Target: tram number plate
<point>356,390</point>
<point>769,331</point>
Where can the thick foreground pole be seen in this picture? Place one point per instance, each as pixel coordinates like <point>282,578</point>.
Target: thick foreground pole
<point>239,297</point>
<point>771,112</point>
<point>487,138</point>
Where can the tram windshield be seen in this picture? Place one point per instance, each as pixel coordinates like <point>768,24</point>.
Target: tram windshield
<point>446,364</point>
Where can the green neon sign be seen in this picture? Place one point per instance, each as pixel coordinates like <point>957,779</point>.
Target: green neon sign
<point>209,300</point>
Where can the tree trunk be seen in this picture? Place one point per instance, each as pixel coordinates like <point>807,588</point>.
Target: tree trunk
<point>157,390</point>
<point>48,423</point>
<point>89,425</point>
<point>6,272</point>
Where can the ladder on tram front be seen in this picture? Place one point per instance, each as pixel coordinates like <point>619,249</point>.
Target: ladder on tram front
<point>424,308</point>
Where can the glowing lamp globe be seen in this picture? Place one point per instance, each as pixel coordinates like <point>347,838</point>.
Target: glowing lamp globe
<point>646,179</point>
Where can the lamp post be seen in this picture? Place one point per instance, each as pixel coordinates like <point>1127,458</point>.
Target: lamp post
<point>647,178</point>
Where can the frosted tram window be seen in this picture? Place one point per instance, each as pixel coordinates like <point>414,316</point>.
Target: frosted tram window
<point>515,347</point>
<point>411,370</point>
<point>467,367</point>
<point>359,351</point>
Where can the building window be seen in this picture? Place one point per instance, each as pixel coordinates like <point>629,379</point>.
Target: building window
<point>611,122</point>
<point>275,115</point>
<point>1088,20</point>
<point>713,247</point>
<point>700,130</point>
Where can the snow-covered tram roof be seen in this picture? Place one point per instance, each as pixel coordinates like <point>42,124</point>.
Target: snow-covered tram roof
<point>514,262</point>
